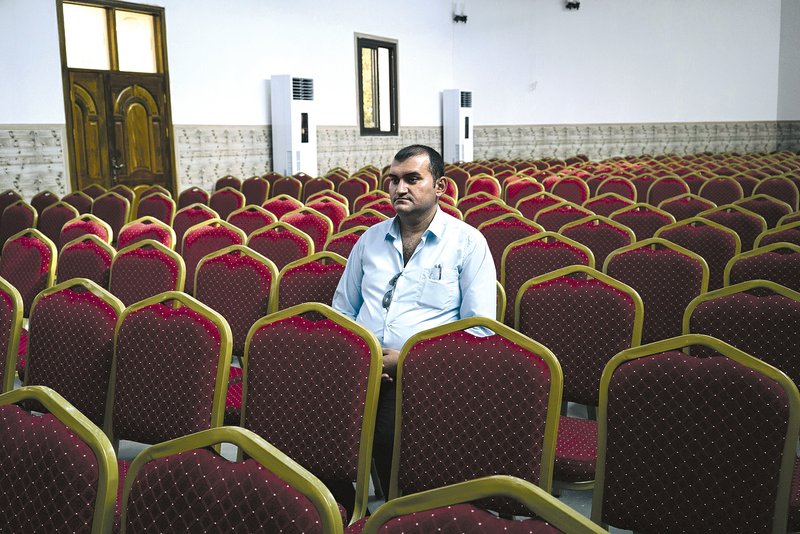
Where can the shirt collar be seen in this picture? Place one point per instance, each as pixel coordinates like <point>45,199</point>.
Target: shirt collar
<point>436,227</point>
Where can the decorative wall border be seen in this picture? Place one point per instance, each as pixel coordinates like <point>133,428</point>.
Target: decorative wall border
<point>32,158</point>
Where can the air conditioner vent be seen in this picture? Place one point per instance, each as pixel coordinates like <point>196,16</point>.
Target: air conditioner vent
<point>302,89</point>
<point>466,99</point>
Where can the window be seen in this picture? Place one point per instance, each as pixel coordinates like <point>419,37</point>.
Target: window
<point>377,86</point>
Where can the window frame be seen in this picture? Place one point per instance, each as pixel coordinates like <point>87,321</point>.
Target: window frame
<point>374,43</point>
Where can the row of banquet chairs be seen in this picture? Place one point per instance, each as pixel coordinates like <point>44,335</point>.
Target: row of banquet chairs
<point>692,433</point>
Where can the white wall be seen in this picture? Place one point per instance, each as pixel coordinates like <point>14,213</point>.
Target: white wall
<point>789,79</point>
<point>526,61</point>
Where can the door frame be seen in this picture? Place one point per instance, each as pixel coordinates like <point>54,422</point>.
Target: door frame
<point>161,61</point>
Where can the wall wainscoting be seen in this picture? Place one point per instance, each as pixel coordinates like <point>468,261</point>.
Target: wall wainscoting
<point>32,157</point>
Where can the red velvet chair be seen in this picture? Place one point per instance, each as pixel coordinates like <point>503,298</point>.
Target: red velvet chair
<point>42,200</point>
<point>80,201</point>
<point>228,181</point>
<point>145,269</point>
<point>203,239</point>
<point>281,243</point>
<point>572,189</point>
<point>686,206</point>
<point>10,331</point>
<point>157,205</point>
<point>333,209</point>
<point>192,195</point>
<point>366,217</point>
<point>779,187</point>
<point>15,218</point>
<point>343,242</point>
<point>554,217</point>
<point>85,257</point>
<point>251,218</point>
<point>310,279</point>
<point>721,190</point>
<point>316,225</point>
<point>255,190</point>
<point>146,227</point>
<point>606,204</point>
<point>83,225</point>
<point>789,233</point>
<point>114,209</point>
<point>619,185</point>
<point>745,223</point>
<point>768,207</point>
<point>225,201</point>
<point>488,211</point>
<point>504,230</point>
<point>28,263</point>
<point>779,262</point>
<point>666,188</point>
<point>600,234</point>
<point>188,217</point>
<point>514,191</point>
<point>287,186</point>
<point>643,219</point>
<point>281,204</point>
<point>53,218</point>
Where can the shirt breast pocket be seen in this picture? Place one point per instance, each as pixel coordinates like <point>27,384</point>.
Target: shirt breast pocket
<point>439,293</point>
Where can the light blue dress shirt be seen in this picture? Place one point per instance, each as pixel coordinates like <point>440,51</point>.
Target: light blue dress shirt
<point>450,276</point>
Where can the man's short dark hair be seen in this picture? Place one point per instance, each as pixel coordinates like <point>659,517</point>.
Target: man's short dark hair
<point>436,165</point>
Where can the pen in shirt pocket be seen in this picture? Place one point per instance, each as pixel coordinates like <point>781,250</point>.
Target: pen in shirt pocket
<point>439,271</point>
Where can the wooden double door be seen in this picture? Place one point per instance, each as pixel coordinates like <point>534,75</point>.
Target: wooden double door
<point>120,129</point>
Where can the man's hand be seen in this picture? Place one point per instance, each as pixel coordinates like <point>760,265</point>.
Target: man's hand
<point>390,357</point>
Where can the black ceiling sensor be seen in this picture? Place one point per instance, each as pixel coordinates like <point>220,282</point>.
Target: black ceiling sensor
<point>573,5</point>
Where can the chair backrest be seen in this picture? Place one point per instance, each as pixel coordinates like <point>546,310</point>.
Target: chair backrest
<point>607,203</point>
<point>251,218</point>
<point>255,190</point>
<point>289,186</point>
<point>450,210</point>
<point>28,263</point>
<point>685,206</point>
<point>789,218</point>
<point>125,192</point>
<point>745,223</point>
<point>600,234</point>
<point>534,256</point>
<point>239,284</point>
<point>343,242</point>
<point>489,432</point>
<point>146,227</point>
<point>335,210</point>
<point>83,225</point>
<point>167,482</point>
<point>145,269</point>
<point>644,219</point>
<point>71,344</point>
<point>281,243</point>
<point>10,329</point>
<point>290,361</point>
<point>779,187</point>
<point>722,425</point>
<point>443,509</point>
<point>316,225</point>
<point>87,257</point>
<point>779,262</point>
<point>42,200</point>
<point>225,201</point>
<point>768,207</point>
<point>94,190</point>
<point>531,205</point>
<point>572,189</point>
<point>8,197</point>
<point>714,242</point>
<point>228,181</point>
<point>58,470</point>
<point>619,185</point>
<point>53,218</point>
<point>642,183</point>
<point>158,206</point>
<point>514,190</point>
<point>15,218</point>
<point>757,317</point>
<point>192,195</point>
<point>114,209</point>
<point>788,233</point>
<point>666,188</point>
<point>468,202</point>
<point>366,217</point>
<point>327,194</point>
<point>316,185</point>
<point>310,279</point>
<point>584,317</point>
<point>484,184</point>
<point>459,177</point>
<point>80,201</point>
<point>504,230</point>
<point>554,217</point>
<point>487,211</point>
<point>171,364</point>
<point>280,205</point>
<point>721,190</point>
<point>188,217</point>
<point>362,200</point>
<point>203,239</point>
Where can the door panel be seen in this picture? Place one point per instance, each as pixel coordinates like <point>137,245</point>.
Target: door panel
<point>90,139</point>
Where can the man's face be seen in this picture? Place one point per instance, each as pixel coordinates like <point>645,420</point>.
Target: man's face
<point>411,187</point>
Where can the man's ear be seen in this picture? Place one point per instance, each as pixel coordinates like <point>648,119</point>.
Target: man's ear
<point>440,186</point>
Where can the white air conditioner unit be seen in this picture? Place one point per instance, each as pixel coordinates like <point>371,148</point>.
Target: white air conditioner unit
<point>457,125</point>
<point>294,125</point>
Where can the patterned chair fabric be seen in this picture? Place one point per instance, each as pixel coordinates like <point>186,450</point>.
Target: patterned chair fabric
<point>192,195</point>
<point>157,205</point>
<point>17,217</point>
<point>114,209</point>
<point>125,192</point>
<point>8,197</point>
<point>778,187</point>
<point>366,217</point>
<point>332,209</point>
<point>450,210</point>
<point>333,195</point>
<point>642,185</point>
<point>385,206</point>
<point>225,201</point>
<point>289,186</point>
<point>685,206</point>
<point>512,409</point>
<point>619,185</point>
<point>572,189</point>
<point>188,217</point>
<point>10,331</point>
<point>203,239</point>
<point>146,227</point>
<point>59,471</point>
<point>466,203</point>
<point>80,201</point>
<point>606,204</point>
<point>535,256</point>
<point>745,223</point>
<point>281,205</point>
<point>677,432</point>
<point>370,196</point>
<point>721,190</point>
<point>483,184</point>
<point>255,190</point>
<point>600,234</point>
<point>145,269</point>
<point>188,393</point>
<point>281,243</point>
<point>86,224</point>
<point>768,207</point>
<point>531,205</point>
<point>501,231</point>
<point>554,217</point>
<point>694,180</point>
<point>488,211</point>
<point>85,257</point>
<point>748,183</point>
<point>585,318</point>
<point>714,242</point>
<point>343,242</point>
<point>42,200</point>
<point>789,233</point>
<point>94,190</point>
<point>71,344</point>
<point>643,219</point>
<point>317,185</point>
<point>184,486</point>
<point>459,176</point>
<point>228,181</point>
<point>251,218</point>
<point>310,279</point>
<point>516,190</point>
<point>666,188</point>
<point>53,219</point>
<point>779,262</point>
<point>291,360</point>
<point>448,509</point>
<point>28,263</point>
<point>789,218</point>
<point>316,225</point>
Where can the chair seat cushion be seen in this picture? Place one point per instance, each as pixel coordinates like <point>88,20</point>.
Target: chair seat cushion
<point>576,450</point>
